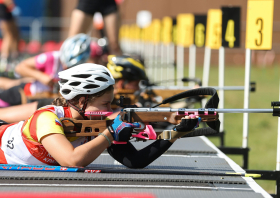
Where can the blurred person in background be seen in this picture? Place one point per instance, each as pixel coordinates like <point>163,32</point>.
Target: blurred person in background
<point>82,19</point>
<point>127,72</point>
<point>10,33</point>
<point>44,68</point>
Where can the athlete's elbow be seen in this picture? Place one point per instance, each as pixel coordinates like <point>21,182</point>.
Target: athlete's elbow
<point>71,163</point>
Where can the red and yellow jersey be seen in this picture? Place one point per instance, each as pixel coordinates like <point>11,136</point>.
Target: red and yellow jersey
<point>21,142</point>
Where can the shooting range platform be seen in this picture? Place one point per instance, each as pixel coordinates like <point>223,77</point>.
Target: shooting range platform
<point>195,154</point>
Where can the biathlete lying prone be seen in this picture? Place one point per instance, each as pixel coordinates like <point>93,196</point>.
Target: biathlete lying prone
<point>40,140</point>
<point>44,70</point>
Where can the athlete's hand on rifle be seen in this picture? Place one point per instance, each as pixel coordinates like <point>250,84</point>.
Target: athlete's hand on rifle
<point>120,130</point>
<point>188,123</point>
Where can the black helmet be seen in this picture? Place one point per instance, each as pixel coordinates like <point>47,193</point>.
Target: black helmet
<point>126,67</point>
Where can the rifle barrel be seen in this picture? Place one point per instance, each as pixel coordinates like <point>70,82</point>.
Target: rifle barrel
<point>195,110</point>
<point>244,110</point>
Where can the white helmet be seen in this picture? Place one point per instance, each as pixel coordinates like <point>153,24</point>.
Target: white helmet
<point>87,78</point>
<point>75,50</point>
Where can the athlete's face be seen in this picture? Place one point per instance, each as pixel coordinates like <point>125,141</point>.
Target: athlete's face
<point>132,85</point>
<point>102,103</point>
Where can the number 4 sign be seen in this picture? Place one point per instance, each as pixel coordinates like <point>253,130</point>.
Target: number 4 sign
<point>231,27</point>
<point>259,24</point>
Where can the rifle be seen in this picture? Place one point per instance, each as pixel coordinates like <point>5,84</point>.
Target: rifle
<point>209,114</point>
<point>76,128</point>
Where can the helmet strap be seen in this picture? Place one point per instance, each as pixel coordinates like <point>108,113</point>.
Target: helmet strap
<point>81,111</point>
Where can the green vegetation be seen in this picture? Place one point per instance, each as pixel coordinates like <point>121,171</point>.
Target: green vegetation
<point>262,127</point>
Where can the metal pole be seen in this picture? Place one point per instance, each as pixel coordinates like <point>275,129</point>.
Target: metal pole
<point>154,62</point>
<point>278,142</point>
<point>171,63</point>
<point>162,62</point>
<point>150,58</point>
<point>221,84</point>
<point>246,98</point>
<point>168,64</point>
<point>206,70</point>
<point>180,65</point>
<point>192,61</point>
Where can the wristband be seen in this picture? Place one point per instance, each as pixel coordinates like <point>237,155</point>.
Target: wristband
<point>106,138</point>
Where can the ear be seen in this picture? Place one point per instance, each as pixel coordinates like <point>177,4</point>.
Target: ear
<point>81,101</point>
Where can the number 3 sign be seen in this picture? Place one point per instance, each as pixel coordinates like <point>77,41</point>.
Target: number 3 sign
<point>259,24</point>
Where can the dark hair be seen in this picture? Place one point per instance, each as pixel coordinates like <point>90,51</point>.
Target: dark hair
<point>60,101</point>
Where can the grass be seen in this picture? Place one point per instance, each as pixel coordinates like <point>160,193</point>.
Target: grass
<point>262,139</point>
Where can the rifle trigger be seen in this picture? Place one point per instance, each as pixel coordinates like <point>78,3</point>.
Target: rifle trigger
<point>128,116</point>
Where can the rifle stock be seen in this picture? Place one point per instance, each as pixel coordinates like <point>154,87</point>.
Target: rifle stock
<point>78,128</point>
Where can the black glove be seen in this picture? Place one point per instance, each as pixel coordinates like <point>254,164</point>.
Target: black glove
<point>187,124</point>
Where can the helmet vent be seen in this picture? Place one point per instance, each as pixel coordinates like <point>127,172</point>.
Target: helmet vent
<point>91,86</point>
<point>101,79</point>
<point>66,91</point>
<point>82,75</point>
<point>106,73</point>
<point>63,81</point>
<point>75,83</point>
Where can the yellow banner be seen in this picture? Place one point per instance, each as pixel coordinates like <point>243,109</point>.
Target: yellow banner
<point>185,25</point>
<point>259,24</point>
<point>214,29</point>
